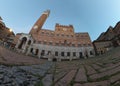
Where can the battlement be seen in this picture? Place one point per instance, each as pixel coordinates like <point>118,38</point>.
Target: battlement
<point>63,26</point>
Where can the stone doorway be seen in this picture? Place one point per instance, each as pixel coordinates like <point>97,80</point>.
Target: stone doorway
<point>37,51</point>
<point>80,55</point>
<point>23,42</point>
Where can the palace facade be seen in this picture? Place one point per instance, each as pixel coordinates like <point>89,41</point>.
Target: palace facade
<point>60,44</point>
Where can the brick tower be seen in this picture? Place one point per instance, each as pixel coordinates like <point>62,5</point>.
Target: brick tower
<point>39,23</point>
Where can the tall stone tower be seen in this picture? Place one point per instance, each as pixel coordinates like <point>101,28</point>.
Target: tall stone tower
<point>39,23</point>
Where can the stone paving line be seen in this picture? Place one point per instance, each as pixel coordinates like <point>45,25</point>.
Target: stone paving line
<point>110,67</point>
<point>66,80</point>
<point>106,73</point>
<point>90,70</point>
<point>96,66</point>
<point>101,83</point>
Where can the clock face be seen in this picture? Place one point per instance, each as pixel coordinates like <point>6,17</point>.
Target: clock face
<point>65,29</point>
<point>35,27</point>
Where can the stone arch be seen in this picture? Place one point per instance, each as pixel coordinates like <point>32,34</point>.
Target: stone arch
<point>54,59</point>
<point>86,54</point>
<point>23,41</point>
<point>42,52</point>
<point>31,50</point>
<point>37,51</point>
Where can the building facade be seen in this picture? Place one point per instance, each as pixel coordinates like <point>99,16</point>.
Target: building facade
<point>6,35</point>
<point>108,40</point>
<point>61,43</point>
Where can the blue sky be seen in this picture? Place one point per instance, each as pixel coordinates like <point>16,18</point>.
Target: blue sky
<point>92,16</point>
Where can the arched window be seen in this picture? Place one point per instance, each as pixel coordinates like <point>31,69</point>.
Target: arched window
<point>91,53</point>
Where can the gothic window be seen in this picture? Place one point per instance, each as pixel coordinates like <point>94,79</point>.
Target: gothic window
<point>42,32</point>
<point>73,45</point>
<point>70,30</point>
<point>79,45</point>
<point>56,43</point>
<point>62,35</point>
<point>65,42</point>
<point>57,34</point>
<point>84,44</point>
<point>45,42</point>
<point>47,33</point>
<point>58,29</point>
<point>89,44</point>
<point>67,35</point>
<point>71,35</point>
<point>39,42</point>
<point>50,43</point>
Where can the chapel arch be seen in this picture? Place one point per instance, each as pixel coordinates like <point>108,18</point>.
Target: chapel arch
<point>23,42</point>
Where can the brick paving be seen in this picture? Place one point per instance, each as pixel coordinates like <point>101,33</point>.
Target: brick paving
<point>96,66</point>
<point>102,83</point>
<point>90,70</point>
<point>66,79</point>
<point>101,71</point>
<point>81,76</point>
<point>10,57</point>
